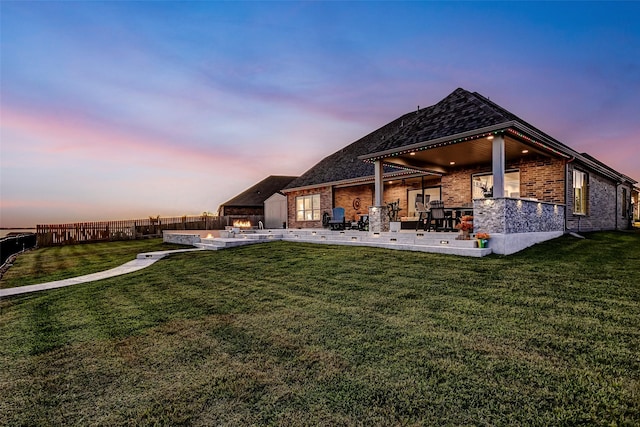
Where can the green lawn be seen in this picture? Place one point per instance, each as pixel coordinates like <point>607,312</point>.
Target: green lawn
<point>299,334</point>
<point>63,262</point>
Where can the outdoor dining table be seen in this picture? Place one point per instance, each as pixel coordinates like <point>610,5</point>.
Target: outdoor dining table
<point>459,210</point>
<point>454,213</point>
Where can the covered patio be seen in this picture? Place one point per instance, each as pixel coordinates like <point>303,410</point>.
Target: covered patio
<point>487,172</point>
<point>521,185</point>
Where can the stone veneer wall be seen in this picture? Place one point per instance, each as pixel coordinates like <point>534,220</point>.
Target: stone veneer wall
<point>378,219</point>
<point>181,238</point>
<point>511,216</point>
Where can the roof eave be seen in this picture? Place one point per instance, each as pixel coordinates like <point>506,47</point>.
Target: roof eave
<point>485,131</point>
<point>355,181</point>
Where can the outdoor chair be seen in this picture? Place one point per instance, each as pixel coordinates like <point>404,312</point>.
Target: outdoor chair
<point>363,223</point>
<point>421,209</point>
<point>338,222</point>
<point>436,216</point>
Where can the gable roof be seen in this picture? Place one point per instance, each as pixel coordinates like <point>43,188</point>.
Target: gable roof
<point>344,164</point>
<point>460,113</point>
<point>257,194</point>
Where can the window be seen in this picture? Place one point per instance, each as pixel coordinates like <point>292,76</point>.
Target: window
<point>308,208</point>
<point>432,192</point>
<point>482,185</point>
<point>625,204</point>
<point>579,192</point>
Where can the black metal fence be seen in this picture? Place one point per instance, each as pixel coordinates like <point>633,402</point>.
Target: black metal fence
<point>11,245</point>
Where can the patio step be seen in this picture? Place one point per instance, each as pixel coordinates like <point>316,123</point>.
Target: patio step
<point>435,242</point>
<point>240,239</point>
<point>420,238</point>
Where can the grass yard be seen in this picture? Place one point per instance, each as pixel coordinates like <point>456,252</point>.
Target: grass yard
<point>63,262</point>
<point>299,334</point>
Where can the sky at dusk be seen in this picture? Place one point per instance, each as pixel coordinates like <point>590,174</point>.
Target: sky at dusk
<point>118,110</point>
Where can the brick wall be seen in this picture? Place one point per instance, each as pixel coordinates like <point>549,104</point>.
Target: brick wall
<point>542,179</point>
<point>456,186</point>
<point>231,210</point>
<point>350,197</point>
<point>326,205</point>
<point>604,204</point>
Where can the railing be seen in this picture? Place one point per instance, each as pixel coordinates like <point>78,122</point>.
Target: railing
<point>82,232</point>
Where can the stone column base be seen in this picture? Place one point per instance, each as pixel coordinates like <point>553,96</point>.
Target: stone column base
<point>378,219</point>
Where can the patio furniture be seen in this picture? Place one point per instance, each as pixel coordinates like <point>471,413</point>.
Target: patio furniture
<point>338,222</point>
<point>436,216</point>
<point>421,208</point>
<point>394,210</point>
<point>363,223</point>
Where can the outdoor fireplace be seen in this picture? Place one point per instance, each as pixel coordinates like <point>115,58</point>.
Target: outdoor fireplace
<point>241,223</point>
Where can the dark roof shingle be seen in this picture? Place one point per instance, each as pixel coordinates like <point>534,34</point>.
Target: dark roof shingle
<point>461,111</point>
<point>257,194</point>
<point>344,164</point>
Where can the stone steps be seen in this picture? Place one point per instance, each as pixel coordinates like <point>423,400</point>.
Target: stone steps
<point>435,242</point>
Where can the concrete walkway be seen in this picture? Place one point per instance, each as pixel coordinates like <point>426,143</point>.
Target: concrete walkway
<point>143,260</point>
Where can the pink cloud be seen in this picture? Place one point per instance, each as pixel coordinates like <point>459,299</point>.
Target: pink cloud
<point>60,134</point>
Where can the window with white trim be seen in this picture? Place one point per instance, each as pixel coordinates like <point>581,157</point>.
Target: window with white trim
<point>482,185</point>
<point>308,208</point>
<point>580,192</point>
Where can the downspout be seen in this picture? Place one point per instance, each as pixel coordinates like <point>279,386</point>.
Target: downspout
<point>566,195</point>
<point>616,201</point>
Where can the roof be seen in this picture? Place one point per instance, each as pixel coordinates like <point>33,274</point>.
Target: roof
<point>344,164</point>
<point>620,176</point>
<point>256,195</point>
<point>460,113</point>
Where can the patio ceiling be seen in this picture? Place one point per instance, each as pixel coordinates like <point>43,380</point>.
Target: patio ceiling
<point>442,159</point>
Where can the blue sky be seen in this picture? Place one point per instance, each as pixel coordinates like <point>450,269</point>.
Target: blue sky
<point>114,110</point>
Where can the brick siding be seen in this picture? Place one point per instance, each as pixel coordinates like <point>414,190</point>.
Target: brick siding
<point>232,210</point>
<point>345,197</point>
<point>326,205</point>
<point>541,178</point>
<point>604,204</point>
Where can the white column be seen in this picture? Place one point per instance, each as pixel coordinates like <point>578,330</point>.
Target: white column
<point>379,185</point>
<point>498,164</point>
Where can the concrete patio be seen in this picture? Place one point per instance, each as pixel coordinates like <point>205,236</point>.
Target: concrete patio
<point>434,242</point>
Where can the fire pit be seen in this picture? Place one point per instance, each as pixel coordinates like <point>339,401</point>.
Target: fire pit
<point>244,224</point>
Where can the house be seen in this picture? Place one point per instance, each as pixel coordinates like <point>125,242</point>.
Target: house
<point>523,185</point>
<point>251,201</point>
